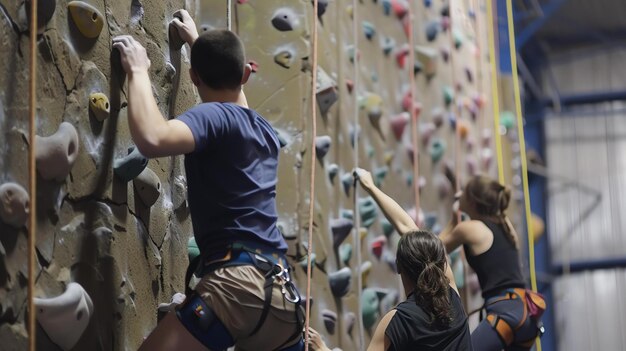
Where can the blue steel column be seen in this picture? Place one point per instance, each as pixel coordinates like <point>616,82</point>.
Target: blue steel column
<point>534,136</point>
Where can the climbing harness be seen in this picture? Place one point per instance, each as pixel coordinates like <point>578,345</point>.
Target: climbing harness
<point>269,262</point>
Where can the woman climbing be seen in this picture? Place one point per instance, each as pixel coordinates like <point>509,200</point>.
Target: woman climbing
<point>432,316</point>
<point>491,248</point>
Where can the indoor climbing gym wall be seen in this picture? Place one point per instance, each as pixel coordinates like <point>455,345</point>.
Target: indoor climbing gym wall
<point>113,228</point>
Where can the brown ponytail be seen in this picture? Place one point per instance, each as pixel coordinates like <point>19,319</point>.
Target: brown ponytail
<point>491,198</point>
<point>422,259</point>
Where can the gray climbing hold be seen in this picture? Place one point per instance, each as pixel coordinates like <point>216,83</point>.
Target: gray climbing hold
<point>347,214</point>
<point>321,8</point>
<point>339,282</point>
<point>56,154</point>
<point>326,91</point>
<point>330,321</point>
<point>332,170</point>
<point>347,180</point>
<point>322,145</point>
<point>129,167</point>
<point>175,41</point>
<point>432,29</point>
<point>14,204</point>
<point>387,44</point>
<point>284,20</point>
<point>341,228</point>
<point>148,186</point>
<point>64,318</point>
<point>288,235</point>
<point>369,30</point>
<point>349,319</point>
<point>345,253</point>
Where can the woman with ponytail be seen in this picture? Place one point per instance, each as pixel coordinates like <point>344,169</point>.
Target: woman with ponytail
<point>432,316</point>
<point>491,249</point>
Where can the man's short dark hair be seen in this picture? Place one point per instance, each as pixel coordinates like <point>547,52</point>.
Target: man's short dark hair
<point>217,57</point>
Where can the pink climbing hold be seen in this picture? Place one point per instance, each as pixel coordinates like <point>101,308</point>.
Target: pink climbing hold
<point>399,123</point>
<point>378,245</point>
<point>445,23</point>
<point>241,2</point>
<point>349,85</point>
<point>402,55</point>
<point>407,102</point>
<point>254,66</point>
<point>410,151</point>
<point>400,8</point>
<point>426,132</point>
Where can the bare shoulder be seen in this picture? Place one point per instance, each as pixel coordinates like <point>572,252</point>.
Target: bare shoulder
<point>472,231</point>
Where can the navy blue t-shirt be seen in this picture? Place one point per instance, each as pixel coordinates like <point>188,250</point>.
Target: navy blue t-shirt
<point>231,177</point>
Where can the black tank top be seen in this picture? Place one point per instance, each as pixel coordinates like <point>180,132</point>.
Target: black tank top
<point>499,267</point>
<point>410,328</point>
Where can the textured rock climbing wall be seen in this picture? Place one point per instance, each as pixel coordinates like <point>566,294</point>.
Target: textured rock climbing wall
<point>118,224</point>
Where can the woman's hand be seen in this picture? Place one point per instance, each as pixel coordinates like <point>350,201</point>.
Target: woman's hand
<point>365,178</point>
<point>186,26</point>
<point>316,342</point>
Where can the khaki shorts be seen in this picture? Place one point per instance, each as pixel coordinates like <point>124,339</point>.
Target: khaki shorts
<point>236,295</point>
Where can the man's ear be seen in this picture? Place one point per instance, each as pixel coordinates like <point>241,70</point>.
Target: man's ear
<point>247,70</point>
<point>194,77</point>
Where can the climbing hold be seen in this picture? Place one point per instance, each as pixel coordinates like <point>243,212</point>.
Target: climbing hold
<point>326,91</point>
<point>428,3</point>
<point>386,7</point>
<point>283,58</point>
<point>339,281</point>
<point>148,186</point>
<point>399,123</point>
<point>14,204</point>
<point>486,137</point>
<point>341,228</point>
<point>45,11</point>
<point>330,321</point>
<point>354,133</point>
<point>410,152</point>
<point>350,11</point>
<point>390,259</point>
<point>432,29</point>
<point>64,318</point>
<point>321,8</point>
<point>471,166</point>
<point>374,77</point>
<point>469,74</point>
<point>430,219</point>
<point>378,245</point>
<point>445,23</point>
<point>445,54</point>
<point>443,186</point>
<point>282,140</point>
<point>368,211</point>
<point>379,174</point>
<point>99,106</point>
<point>390,300</point>
<point>347,180</point>
<point>387,44</point>
<point>486,156</point>
<point>369,307</point>
<point>426,132</point>
<point>254,66</point>
<point>388,157</point>
<point>369,30</point>
<point>437,116</point>
<point>463,129</point>
<point>349,85</point>
<point>284,20</point>
<point>349,318</point>
<point>192,249</point>
<point>345,213</point>
<point>345,253</point>
<point>458,39</point>
<point>332,170</point>
<point>129,167</point>
<point>373,107</point>
<point>417,67</point>
<point>56,154</point>
<point>448,95</point>
<point>407,102</point>
<point>365,270</point>
<point>400,8</point>
<point>322,145</point>
<point>401,56</point>
<point>445,10</point>
<point>428,58</point>
<point>437,149</point>
<point>87,18</point>
<point>387,227</point>
<point>304,262</point>
<point>175,41</point>
<point>507,119</point>
<point>353,54</point>
<point>370,151</point>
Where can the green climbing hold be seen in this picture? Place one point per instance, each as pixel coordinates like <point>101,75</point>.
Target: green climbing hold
<point>368,211</point>
<point>345,253</point>
<point>192,249</point>
<point>507,119</point>
<point>370,151</point>
<point>379,175</point>
<point>387,227</point>
<point>448,95</point>
<point>347,214</point>
<point>369,30</point>
<point>458,39</point>
<point>369,307</point>
<point>437,149</point>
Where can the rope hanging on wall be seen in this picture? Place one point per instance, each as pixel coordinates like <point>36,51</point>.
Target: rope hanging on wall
<point>495,97</point>
<point>32,175</point>
<point>313,100</point>
<point>522,146</point>
<point>414,116</point>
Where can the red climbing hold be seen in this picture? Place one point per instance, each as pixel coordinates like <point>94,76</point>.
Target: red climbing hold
<point>401,56</point>
<point>407,102</point>
<point>378,245</point>
<point>400,8</point>
<point>241,2</point>
<point>398,124</point>
<point>349,85</point>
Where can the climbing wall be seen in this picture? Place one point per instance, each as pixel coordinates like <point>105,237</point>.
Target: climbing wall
<point>113,227</point>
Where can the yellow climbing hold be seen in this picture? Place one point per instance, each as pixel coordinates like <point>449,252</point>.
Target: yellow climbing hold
<point>99,105</point>
<point>87,18</point>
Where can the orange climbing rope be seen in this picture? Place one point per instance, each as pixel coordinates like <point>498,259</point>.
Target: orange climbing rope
<point>307,312</point>
<point>357,219</point>
<point>32,223</point>
<point>457,112</point>
<point>479,71</point>
<point>414,116</point>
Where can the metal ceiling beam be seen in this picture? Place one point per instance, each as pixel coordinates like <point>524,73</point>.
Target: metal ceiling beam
<point>588,98</point>
<point>530,30</point>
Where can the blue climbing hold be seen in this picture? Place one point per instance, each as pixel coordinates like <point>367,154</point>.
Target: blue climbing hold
<point>369,30</point>
<point>339,282</point>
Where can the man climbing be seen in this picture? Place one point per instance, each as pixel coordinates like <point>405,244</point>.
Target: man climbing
<point>244,296</point>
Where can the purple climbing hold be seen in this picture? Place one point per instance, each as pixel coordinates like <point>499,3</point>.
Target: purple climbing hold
<point>330,321</point>
<point>339,282</point>
<point>284,20</point>
<point>322,145</point>
<point>341,228</point>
